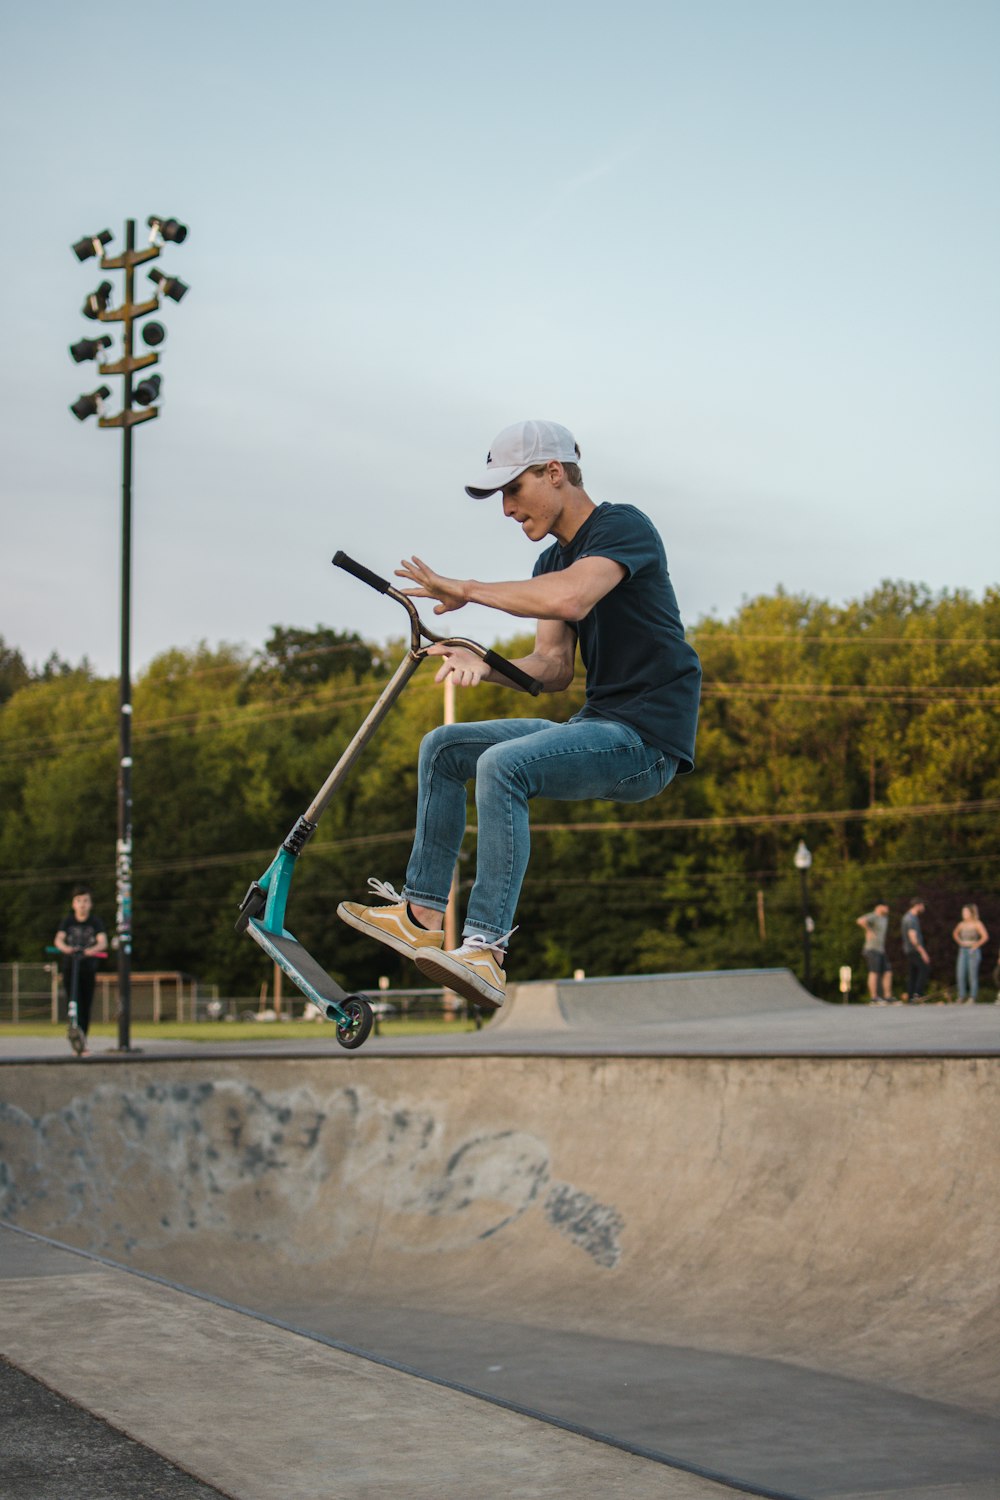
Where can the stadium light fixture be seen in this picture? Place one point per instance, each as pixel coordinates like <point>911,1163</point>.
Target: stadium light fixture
<point>92,245</point>
<point>170,286</point>
<point>89,348</point>
<point>162,230</point>
<point>90,405</point>
<point>147,390</point>
<point>98,301</point>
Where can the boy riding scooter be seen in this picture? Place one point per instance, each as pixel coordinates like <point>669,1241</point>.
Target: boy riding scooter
<point>81,939</point>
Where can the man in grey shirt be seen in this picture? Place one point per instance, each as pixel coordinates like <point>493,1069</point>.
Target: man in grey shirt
<point>918,964</point>
<point>875,925</point>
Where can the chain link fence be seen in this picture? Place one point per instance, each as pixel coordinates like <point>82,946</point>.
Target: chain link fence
<point>30,992</point>
<point>33,993</point>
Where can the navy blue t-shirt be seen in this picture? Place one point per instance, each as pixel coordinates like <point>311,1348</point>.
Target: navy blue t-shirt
<point>640,669</point>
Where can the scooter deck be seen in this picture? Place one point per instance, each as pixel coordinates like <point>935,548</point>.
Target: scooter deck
<point>300,966</point>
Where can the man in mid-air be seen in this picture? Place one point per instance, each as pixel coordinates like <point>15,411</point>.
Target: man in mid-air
<point>602,585</point>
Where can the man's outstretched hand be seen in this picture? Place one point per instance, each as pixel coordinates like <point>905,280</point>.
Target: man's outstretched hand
<point>449,592</point>
<point>465,668</point>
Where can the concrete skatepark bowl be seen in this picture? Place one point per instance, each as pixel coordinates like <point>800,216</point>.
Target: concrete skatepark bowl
<point>707,1218</point>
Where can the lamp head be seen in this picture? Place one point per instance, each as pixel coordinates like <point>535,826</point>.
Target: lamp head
<point>92,245</point>
<point>170,286</point>
<point>166,230</point>
<point>803,856</point>
<point>147,391</point>
<point>89,348</point>
<point>91,404</point>
<point>97,301</point>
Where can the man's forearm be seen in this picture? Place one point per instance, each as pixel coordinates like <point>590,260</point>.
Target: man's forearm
<point>553,674</point>
<point>545,598</point>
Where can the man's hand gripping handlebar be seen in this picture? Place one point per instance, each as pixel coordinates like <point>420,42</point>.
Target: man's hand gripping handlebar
<point>419,633</point>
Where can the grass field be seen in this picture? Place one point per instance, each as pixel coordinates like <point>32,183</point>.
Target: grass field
<point>242,1031</point>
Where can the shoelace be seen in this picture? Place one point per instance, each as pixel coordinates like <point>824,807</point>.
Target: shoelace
<point>476,943</point>
<point>383,889</point>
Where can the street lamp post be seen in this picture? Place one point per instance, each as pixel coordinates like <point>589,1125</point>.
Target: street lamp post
<point>803,860</point>
<point>143,394</point>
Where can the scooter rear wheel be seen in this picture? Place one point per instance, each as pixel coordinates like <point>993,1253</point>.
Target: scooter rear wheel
<point>355,1031</point>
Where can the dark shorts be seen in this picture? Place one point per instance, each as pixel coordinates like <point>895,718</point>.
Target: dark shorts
<point>877,962</point>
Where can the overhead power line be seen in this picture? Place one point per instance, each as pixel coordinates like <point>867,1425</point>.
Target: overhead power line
<point>314,700</point>
<point>774,820</point>
<point>253,857</point>
<point>706,637</point>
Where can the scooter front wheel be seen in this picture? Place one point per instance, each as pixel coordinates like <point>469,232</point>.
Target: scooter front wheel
<point>354,1032</point>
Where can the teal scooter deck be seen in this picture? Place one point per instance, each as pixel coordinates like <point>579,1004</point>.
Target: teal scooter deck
<point>352,1014</point>
<point>300,966</point>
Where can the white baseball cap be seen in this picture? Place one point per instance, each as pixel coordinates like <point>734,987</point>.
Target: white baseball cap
<point>520,447</point>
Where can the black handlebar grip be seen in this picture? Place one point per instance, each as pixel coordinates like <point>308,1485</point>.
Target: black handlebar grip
<point>341,560</point>
<point>501,664</point>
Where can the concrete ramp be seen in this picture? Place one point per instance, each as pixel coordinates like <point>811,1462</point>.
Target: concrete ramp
<point>618,1004</point>
<point>780,1272</point>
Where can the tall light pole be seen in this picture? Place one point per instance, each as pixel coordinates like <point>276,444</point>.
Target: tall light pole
<point>803,860</point>
<point>143,394</point>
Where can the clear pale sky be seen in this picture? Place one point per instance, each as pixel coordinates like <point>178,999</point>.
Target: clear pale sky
<point>747,250</point>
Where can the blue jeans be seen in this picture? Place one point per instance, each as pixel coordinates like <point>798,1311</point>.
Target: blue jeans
<point>967,973</point>
<point>512,761</point>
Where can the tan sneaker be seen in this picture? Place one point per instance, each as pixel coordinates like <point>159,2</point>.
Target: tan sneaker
<point>472,971</point>
<point>391,925</point>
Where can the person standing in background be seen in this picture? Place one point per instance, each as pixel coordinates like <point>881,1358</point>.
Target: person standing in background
<point>918,964</point>
<point>875,925</point>
<point>971,937</point>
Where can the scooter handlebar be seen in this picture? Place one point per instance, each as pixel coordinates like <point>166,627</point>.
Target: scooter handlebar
<point>492,659</point>
<point>74,952</point>
<point>341,560</point>
<point>501,664</point>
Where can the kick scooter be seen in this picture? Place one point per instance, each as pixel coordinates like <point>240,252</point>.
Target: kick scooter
<point>262,910</point>
<point>76,1038</point>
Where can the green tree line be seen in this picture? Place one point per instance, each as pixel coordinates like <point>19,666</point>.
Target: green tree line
<point>870,730</point>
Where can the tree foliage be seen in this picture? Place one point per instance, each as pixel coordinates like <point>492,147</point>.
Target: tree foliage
<point>307,657</point>
<point>825,723</point>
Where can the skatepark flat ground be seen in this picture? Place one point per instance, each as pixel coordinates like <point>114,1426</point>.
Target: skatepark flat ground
<point>657,1236</point>
<point>755,1012</point>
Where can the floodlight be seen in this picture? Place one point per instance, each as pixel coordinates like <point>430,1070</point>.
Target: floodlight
<point>170,286</point>
<point>146,391</point>
<point>89,348</point>
<point>98,301</point>
<point>92,244</point>
<point>167,229</point>
<point>153,334</point>
<point>90,405</point>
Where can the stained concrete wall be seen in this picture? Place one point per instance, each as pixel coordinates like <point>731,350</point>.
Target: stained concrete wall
<point>843,1213</point>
